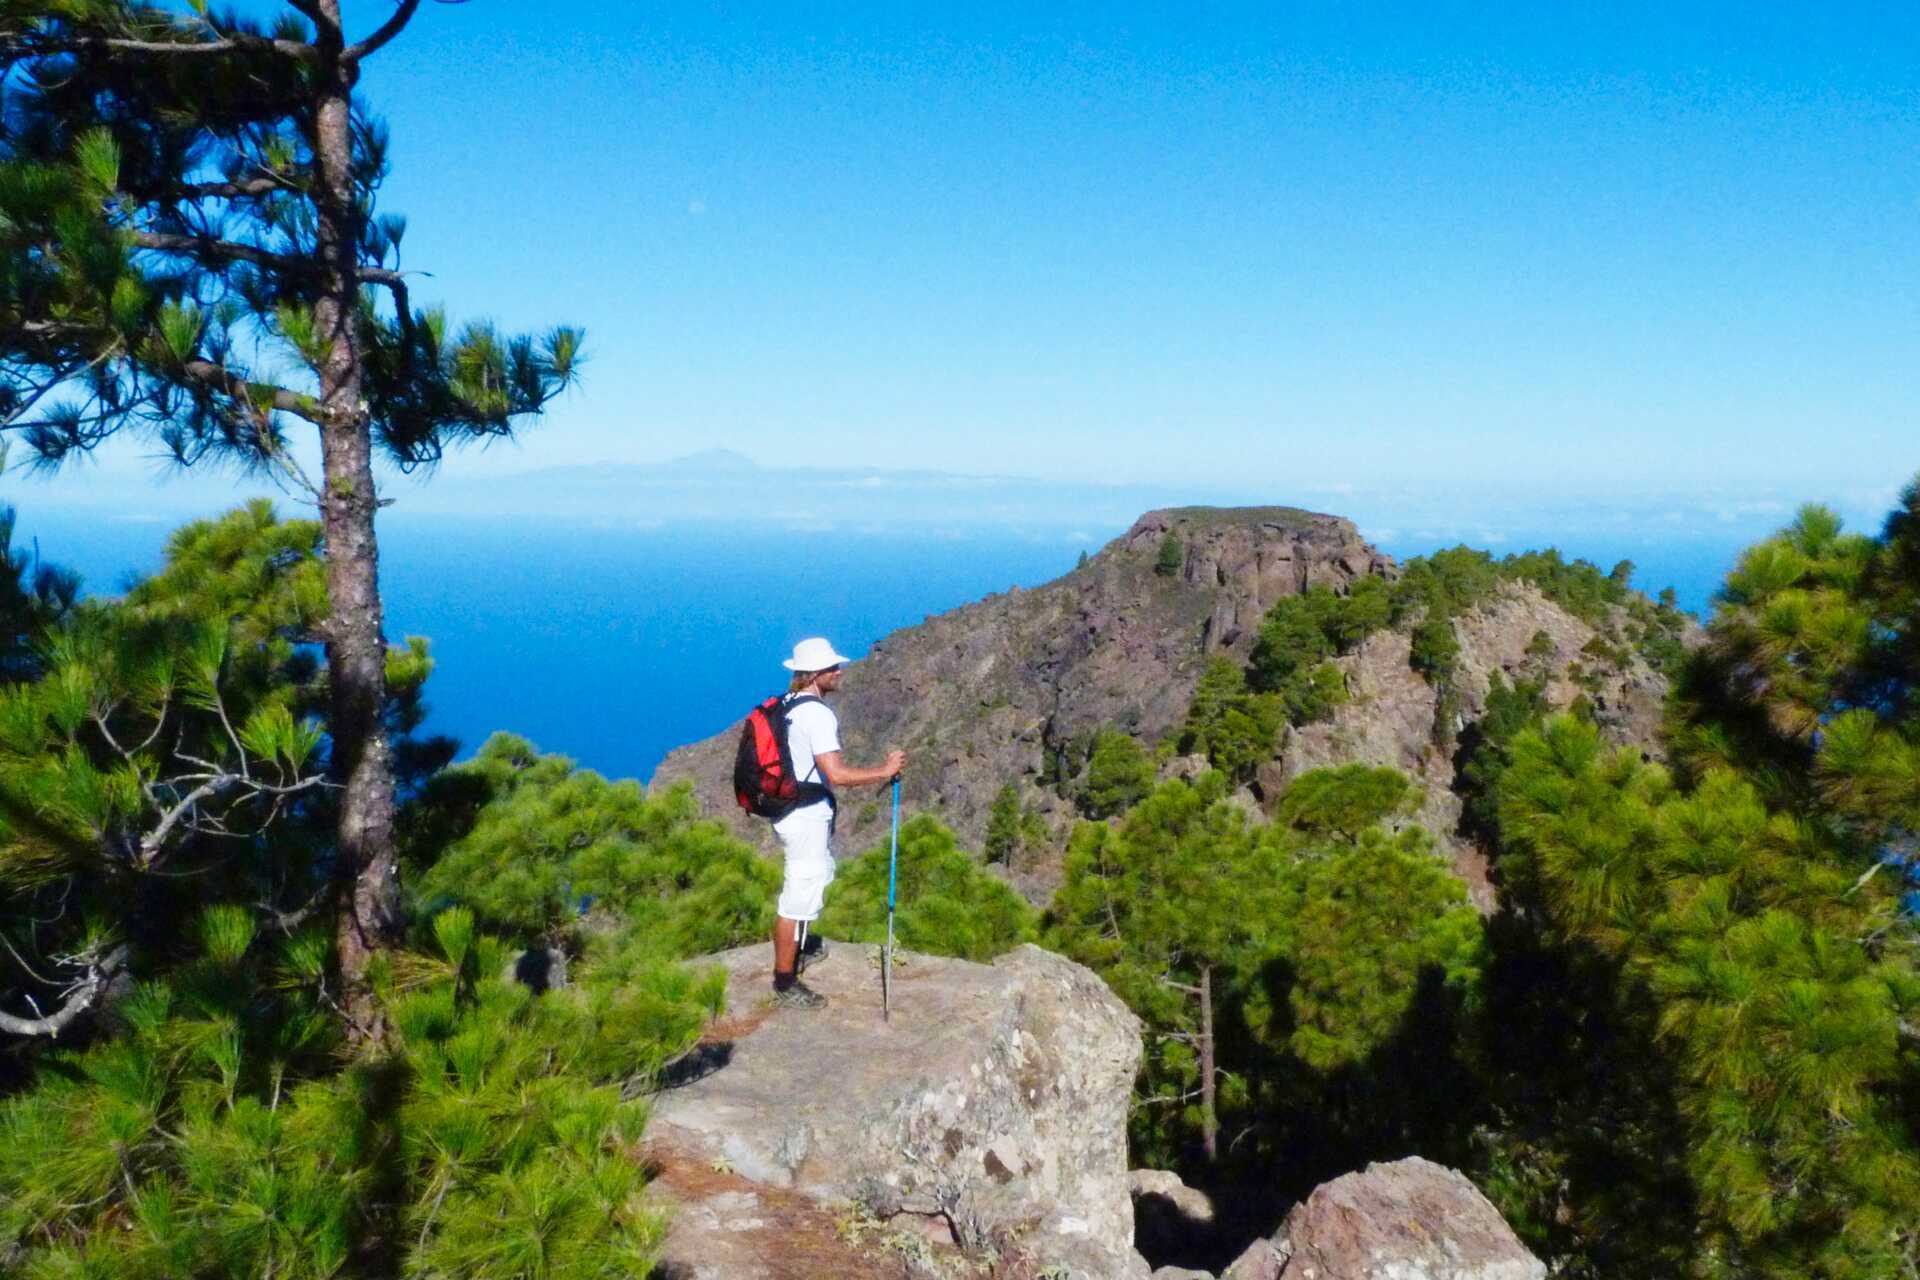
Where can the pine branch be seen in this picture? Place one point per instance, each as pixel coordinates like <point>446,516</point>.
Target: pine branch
<point>224,250</point>
<point>396,283</point>
<point>36,45</point>
<point>219,378</point>
<point>388,30</point>
<point>234,190</point>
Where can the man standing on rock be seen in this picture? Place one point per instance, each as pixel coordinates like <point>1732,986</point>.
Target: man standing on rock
<point>813,739</point>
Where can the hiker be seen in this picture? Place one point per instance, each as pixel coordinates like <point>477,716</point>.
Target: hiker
<point>806,830</point>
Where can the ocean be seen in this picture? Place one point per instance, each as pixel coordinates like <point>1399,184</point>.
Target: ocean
<point>612,645</point>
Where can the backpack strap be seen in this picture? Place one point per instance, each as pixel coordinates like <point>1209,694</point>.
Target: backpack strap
<point>810,792</point>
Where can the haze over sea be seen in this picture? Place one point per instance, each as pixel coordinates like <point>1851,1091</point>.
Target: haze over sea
<point>613,613</point>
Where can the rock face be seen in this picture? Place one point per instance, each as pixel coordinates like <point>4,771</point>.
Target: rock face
<point>1409,1220</point>
<point>989,693</point>
<point>1390,718</point>
<point>989,1111</point>
<point>981,695</point>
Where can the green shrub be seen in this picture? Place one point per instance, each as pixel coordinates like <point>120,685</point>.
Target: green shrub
<point>1344,801</point>
<point>945,902</point>
<point>216,1136</point>
<point>530,842</point>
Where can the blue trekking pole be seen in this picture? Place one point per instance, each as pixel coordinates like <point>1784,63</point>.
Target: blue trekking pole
<point>886,956</point>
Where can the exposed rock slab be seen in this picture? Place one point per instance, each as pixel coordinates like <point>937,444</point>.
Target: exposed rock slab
<point>1408,1220</point>
<point>991,1108</point>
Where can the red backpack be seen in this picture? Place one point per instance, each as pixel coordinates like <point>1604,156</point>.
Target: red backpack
<point>763,774</point>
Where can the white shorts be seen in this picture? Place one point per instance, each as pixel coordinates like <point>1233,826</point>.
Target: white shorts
<point>805,836</point>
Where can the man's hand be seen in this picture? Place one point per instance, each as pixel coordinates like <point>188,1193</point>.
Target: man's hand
<point>841,774</point>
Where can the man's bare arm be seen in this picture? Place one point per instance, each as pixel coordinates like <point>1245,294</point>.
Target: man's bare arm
<point>841,774</point>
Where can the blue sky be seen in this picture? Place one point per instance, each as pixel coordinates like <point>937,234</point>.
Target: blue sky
<point>1598,253</point>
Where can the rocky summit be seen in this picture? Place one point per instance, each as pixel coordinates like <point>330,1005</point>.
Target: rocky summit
<point>989,693</point>
<point>981,1129</point>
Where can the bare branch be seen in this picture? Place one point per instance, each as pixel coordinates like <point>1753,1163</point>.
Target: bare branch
<point>101,971</point>
<point>388,30</point>
<point>313,12</point>
<point>151,843</point>
<point>288,921</point>
<point>220,706</point>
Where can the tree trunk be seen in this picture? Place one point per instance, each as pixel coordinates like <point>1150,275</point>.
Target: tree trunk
<point>365,869</point>
<point>1209,1119</point>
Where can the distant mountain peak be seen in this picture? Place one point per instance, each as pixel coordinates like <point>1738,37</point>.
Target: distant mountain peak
<point>713,460</point>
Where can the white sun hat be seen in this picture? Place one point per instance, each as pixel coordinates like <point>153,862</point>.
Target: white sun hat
<point>814,655</point>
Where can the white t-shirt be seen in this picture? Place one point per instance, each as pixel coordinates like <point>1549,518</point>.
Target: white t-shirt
<point>812,731</point>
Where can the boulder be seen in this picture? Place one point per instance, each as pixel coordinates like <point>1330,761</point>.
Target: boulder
<point>1170,1218</point>
<point>987,1116</point>
<point>1261,1261</point>
<point>1408,1220</point>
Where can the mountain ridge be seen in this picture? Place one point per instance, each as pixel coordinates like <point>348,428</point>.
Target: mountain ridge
<point>998,690</point>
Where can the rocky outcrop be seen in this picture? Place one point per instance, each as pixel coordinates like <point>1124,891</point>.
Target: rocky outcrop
<point>987,1116</point>
<point>1393,714</point>
<point>980,696</point>
<point>1409,1220</point>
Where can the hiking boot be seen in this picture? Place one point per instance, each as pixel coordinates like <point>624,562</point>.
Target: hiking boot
<point>810,955</point>
<point>799,996</point>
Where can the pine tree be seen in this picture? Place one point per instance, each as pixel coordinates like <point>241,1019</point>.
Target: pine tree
<point>1783,976</point>
<point>1174,908</point>
<point>1003,825</point>
<point>168,757</point>
<point>1119,773</point>
<point>1234,728</point>
<point>188,204</point>
<point>1172,557</point>
<point>1284,977</point>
